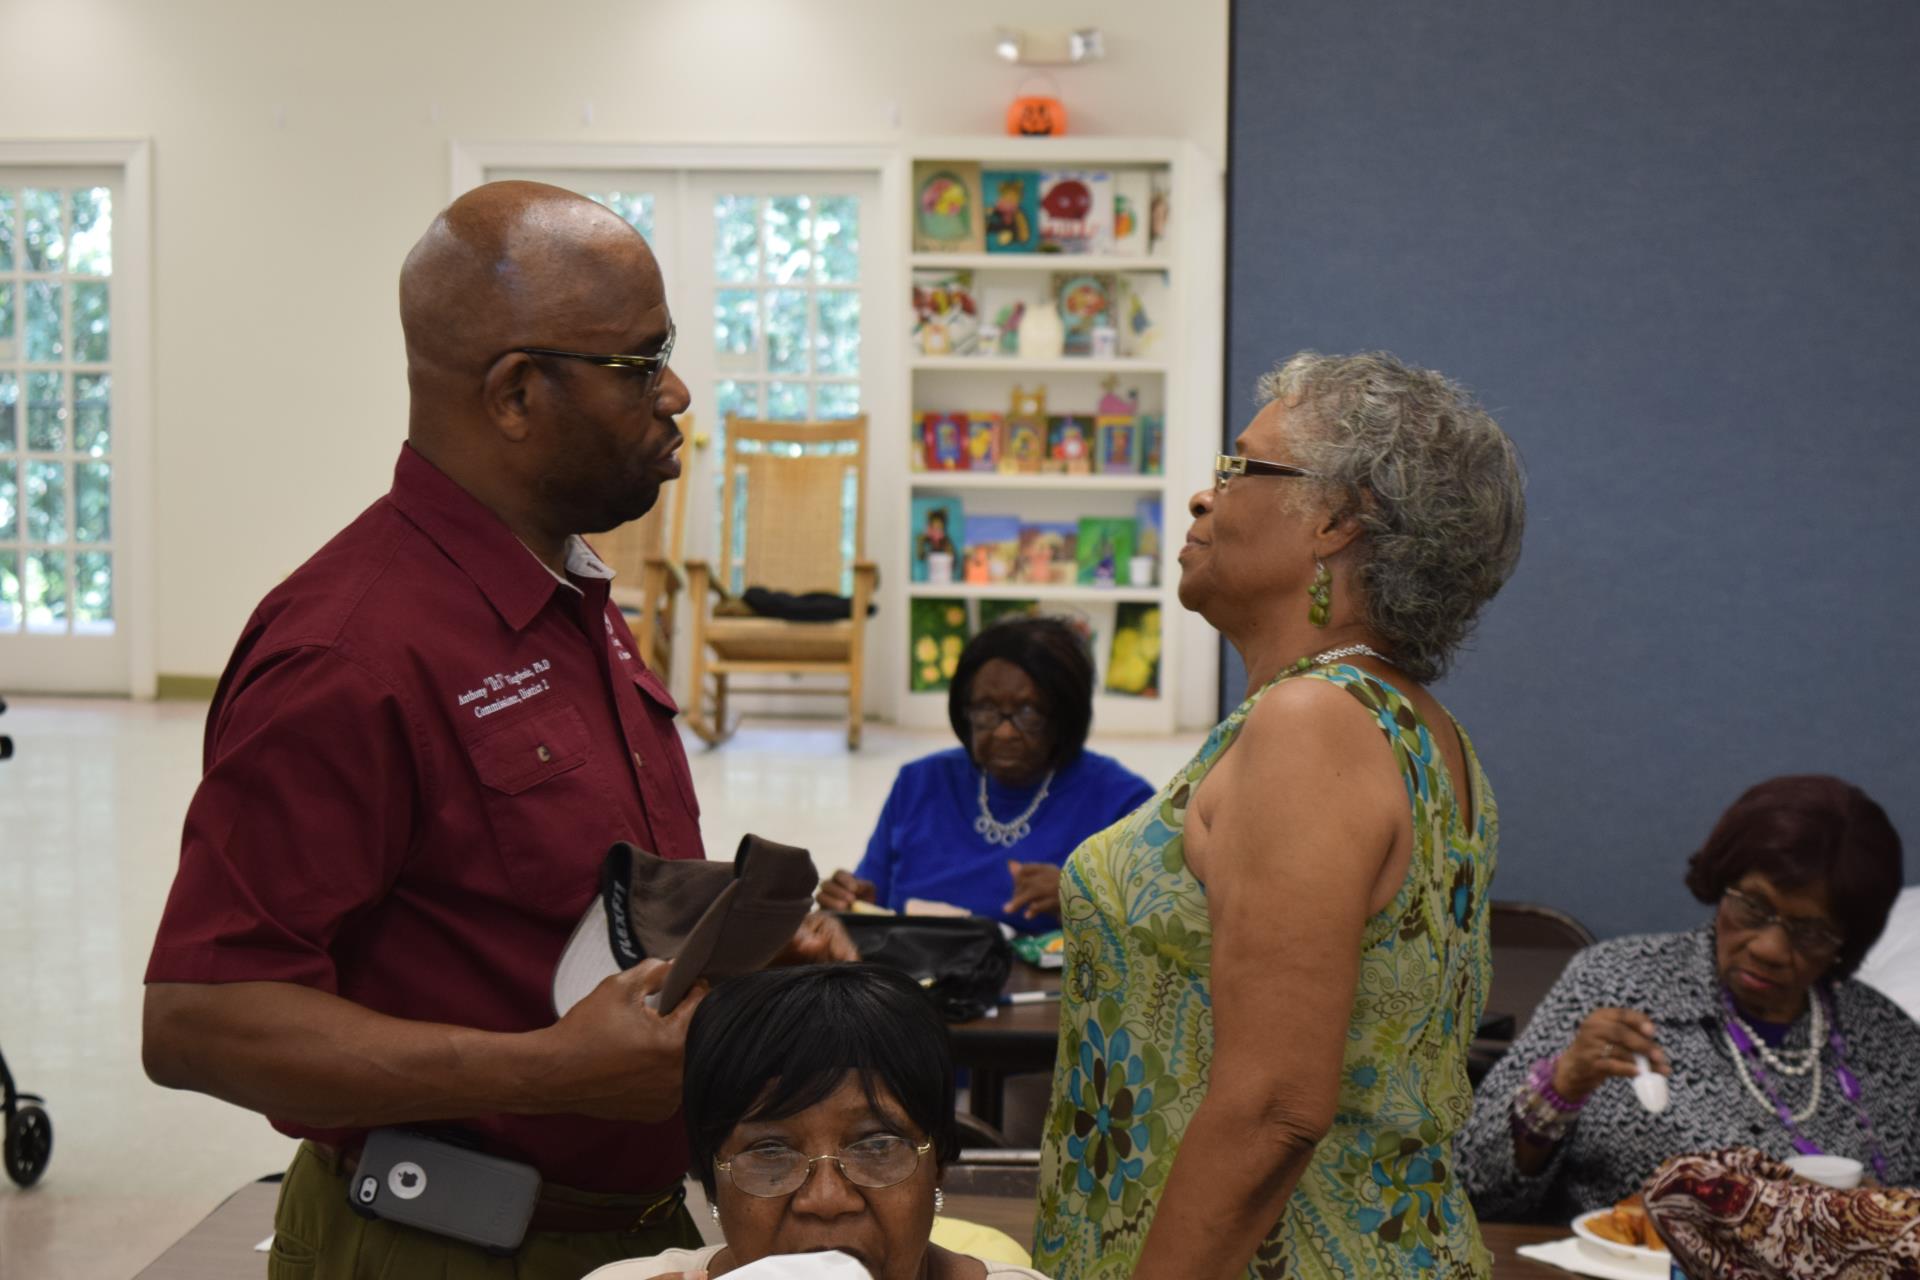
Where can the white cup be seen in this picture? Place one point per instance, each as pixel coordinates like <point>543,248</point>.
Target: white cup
<point>1140,571</point>
<point>1837,1172</point>
<point>940,566</point>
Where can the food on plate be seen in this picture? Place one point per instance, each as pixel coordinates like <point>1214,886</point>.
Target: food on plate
<point>1627,1223</point>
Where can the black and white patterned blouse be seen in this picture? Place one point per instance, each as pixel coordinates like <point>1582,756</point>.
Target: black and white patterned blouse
<point>1616,1145</point>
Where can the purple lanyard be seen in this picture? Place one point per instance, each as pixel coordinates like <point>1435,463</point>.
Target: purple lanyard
<point>1848,1083</point>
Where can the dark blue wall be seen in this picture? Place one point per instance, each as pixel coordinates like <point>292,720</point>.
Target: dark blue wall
<point>1675,248</point>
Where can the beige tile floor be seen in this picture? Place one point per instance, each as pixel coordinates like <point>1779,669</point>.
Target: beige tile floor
<point>90,812</point>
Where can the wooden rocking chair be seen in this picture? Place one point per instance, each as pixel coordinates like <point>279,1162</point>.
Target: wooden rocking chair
<point>783,486</point>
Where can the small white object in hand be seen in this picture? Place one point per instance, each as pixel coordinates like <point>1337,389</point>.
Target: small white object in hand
<point>1649,1086</point>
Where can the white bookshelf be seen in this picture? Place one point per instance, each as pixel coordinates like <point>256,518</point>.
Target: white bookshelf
<point>1187,403</point>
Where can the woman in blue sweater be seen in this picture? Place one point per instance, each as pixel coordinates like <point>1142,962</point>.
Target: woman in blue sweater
<point>987,825</point>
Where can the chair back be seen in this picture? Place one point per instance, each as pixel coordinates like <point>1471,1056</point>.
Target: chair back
<point>783,497</point>
<point>1531,946</point>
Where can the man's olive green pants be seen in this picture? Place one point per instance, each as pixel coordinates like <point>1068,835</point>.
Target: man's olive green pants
<point>317,1236</point>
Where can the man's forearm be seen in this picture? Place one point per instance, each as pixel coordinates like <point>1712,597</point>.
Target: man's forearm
<point>303,1055</point>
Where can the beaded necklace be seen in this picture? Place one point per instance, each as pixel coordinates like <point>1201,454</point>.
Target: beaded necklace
<point>1740,1039</point>
<point>1334,655</point>
<point>1008,834</point>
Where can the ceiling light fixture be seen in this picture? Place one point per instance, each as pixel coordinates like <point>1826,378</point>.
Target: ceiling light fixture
<point>1054,46</point>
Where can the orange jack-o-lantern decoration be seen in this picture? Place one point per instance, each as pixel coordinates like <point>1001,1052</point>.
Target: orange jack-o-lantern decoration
<point>1037,117</point>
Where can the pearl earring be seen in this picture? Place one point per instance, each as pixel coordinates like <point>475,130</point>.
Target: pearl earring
<point>939,1201</point>
<point>714,1209</point>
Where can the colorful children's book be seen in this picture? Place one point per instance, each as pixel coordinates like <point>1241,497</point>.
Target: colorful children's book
<point>1149,527</point>
<point>1085,304</point>
<point>993,549</point>
<point>984,432</point>
<point>1132,196</point>
<point>943,441</point>
<point>1117,445</point>
<point>1133,661</point>
<point>936,532</point>
<point>1012,200</point>
<point>946,319</point>
<point>1046,553</point>
<point>1153,444</point>
<point>1076,212</point>
<point>1103,546</point>
<point>1070,443</point>
<point>936,633</point>
<point>1025,444</point>
<point>1140,309</point>
<point>946,207</point>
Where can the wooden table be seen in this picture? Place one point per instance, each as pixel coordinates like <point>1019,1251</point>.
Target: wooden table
<point>221,1247</point>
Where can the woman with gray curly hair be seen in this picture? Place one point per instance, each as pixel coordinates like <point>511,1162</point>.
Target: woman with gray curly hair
<point>1274,968</point>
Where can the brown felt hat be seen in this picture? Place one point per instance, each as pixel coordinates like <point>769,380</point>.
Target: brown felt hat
<point>711,919</point>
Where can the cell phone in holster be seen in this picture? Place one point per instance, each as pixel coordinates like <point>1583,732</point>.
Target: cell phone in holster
<point>449,1190</point>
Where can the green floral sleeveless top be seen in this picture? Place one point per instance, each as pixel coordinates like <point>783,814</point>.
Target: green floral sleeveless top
<point>1379,1197</point>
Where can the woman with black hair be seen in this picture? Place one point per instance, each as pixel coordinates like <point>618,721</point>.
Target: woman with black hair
<point>987,825</point>
<point>1767,1039</point>
<point>819,1109</point>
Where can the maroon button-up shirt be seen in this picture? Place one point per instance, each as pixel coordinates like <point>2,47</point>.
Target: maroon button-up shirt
<point>420,751</point>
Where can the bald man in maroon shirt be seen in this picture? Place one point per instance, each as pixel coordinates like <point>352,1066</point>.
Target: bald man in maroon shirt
<point>424,744</point>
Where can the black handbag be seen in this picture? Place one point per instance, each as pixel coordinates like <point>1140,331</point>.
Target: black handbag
<point>961,961</point>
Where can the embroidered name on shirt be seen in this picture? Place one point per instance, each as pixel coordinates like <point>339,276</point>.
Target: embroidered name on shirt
<point>518,686</point>
<point>618,647</point>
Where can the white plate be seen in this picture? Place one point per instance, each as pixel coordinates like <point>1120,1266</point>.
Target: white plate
<point>1655,1262</point>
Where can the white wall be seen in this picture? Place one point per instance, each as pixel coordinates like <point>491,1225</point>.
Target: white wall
<point>300,149</point>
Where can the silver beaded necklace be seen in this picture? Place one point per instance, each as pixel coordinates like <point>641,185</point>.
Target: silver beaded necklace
<point>1344,651</point>
<point>1010,833</point>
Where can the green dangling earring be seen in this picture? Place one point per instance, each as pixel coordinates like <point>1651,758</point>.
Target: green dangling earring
<point>1321,593</point>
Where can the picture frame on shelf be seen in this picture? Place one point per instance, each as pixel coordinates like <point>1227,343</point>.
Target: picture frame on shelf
<point>1012,201</point>
<point>946,316</point>
<point>943,441</point>
<point>1103,548</point>
<point>1153,444</point>
<point>1085,304</point>
<point>947,215</point>
<point>1132,203</point>
<point>1024,445</point>
<point>1140,309</point>
<point>936,633</point>
<point>1133,655</point>
<point>986,433</point>
<point>1070,443</point>
<point>1076,211</point>
<point>936,530</point>
<point>993,549</point>
<point>1116,431</point>
<point>1047,553</point>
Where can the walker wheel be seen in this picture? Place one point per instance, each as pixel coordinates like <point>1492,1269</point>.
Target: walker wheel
<point>29,1145</point>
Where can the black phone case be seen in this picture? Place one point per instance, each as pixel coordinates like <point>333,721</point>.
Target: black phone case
<point>435,1186</point>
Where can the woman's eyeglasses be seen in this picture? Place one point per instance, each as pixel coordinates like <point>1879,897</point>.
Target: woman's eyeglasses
<point>1814,941</point>
<point>651,367</point>
<point>884,1160</point>
<point>1228,465</point>
<point>1028,720</point>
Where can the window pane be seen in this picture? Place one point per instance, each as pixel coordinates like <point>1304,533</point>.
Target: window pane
<point>787,400</point>
<point>43,321</point>
<point>9,500</point>
<point>46,411</point>
<point>836,399</point>
<point>90,321</point>
<point>741,399</point>
<point>836,229</point>
<point>6,320</point>
<point>736,327</point>
<point>9,413</point>
<point>635,206</point>
<point>44,241</point>
<point>93,591</point>
<point>46,502</point>
<point>836,333</point>
<point>6,230</point>
<point>93,413</point>
<point>736,238</point>
<point>9,590</point>
<point>789,248</point>
<point>46,591</point>
<point>787,331</point>
<point>92,232</point>
<point>93,502</point>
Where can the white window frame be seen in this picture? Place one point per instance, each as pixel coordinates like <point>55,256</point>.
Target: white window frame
<point>884,380</point>
<point>134,568</point>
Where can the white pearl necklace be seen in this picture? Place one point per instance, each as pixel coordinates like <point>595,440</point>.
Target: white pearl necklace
<point>1746,1078</point>
<point>1790,1062</point>
<point>1006,834</point>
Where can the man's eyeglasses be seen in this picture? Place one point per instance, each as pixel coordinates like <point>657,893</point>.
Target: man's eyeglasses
<point>1028,719</point>
<point>884,1160</point>
<point>1814,941</point>
<point>651,366</point>
<point>1228,465</point>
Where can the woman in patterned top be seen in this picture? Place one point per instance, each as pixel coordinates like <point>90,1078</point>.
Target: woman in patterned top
<point>1274,968</point>
<point>1755,1017</point>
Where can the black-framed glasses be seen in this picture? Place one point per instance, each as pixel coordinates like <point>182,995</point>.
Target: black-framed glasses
<point>884,1160</point>
<point>1228,465</point>
<point>1028,720</point>
<point>652,366</point>
<point>1815,941</point>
